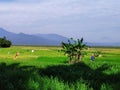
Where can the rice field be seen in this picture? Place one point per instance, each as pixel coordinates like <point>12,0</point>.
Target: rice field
<point>47,68</point>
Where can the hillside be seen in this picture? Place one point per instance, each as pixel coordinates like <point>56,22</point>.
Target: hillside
<point>43,39</point>
<point>36,39</point>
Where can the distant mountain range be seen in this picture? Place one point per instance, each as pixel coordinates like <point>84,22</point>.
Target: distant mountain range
<point>42,39</point>
<point>117,44</point>
<point>35,39</point>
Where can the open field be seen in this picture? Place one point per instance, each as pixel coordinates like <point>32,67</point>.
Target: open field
<point>46,68</point>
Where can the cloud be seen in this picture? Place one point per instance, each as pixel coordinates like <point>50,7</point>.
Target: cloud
<point>68,17</point>
<point>21,1</point>
<point>55,8</point>
<point>33,12</point>
<point>7,0</point>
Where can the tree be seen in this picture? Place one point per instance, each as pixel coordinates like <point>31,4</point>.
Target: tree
<point>69,50</point>
<point>79,46</point>
<point>4,42</point>
<point>73,48</point>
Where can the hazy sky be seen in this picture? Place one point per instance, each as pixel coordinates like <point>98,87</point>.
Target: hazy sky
<point>94,20</point>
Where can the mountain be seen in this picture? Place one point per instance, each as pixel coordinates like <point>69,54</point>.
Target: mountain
<point>103,44</point>
<point>42,39</point>
<point>54,37</point>
<point>36,39</point>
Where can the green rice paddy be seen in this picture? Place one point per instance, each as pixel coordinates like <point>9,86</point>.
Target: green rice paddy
<point>46,68</point>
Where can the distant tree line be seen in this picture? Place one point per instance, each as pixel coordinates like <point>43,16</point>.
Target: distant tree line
<point>4,43</point>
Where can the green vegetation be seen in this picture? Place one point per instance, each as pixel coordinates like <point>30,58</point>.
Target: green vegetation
<point>73,48</point>
<point>4,42</point>
<point>45,68</point>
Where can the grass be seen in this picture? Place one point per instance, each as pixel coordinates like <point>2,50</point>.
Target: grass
<point>47,69</point>
<point>40,54</point>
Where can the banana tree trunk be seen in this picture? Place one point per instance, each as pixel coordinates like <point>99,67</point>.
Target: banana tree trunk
<point>70,60</point>
<point>79,55</point>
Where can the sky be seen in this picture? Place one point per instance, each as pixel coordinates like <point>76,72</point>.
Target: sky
<point>94,20</point>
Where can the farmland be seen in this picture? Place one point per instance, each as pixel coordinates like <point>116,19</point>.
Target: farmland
<point>47,68</point>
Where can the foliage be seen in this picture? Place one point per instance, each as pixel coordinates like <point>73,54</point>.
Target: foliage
<point>46,69</point>
<point>98,53</point>
<point>4,42</point>
<point>68,48</point>
<point>79,76</point>
<point>13,77</point>
<point>73,48</point>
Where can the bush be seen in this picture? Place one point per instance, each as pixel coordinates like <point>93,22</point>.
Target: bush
<point>4,42</point>
<point>14,77</point>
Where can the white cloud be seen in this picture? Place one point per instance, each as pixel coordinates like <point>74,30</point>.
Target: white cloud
<point>62,16</point>
<point>56,9</point>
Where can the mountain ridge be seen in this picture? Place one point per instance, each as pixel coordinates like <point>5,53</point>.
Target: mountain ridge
<point>42,39</point>
<point>32,39</point>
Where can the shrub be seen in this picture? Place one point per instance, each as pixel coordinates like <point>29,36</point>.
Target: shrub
<point>4,42</point>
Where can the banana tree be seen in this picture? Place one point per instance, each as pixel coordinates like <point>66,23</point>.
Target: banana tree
<point>73,48</point>
<point>69,50</point>
<point>79,46</point>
